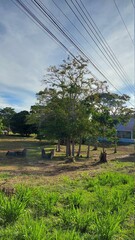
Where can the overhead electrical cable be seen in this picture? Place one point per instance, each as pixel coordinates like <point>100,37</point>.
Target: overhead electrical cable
<point>100,35</point>
<point>88,42</point>
<point>44,9</point>
<point>46,12</point>
<point>94,40</point>
<point>53,19</point>
<point>32,15</point>
<point>77,29</point>
<point>115,66</point>
<point>123,22</point>
<point>62,29</point>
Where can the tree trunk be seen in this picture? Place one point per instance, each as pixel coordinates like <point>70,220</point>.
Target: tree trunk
<point>58,146</point>
<point>73,147</point>
<point>103,145</point>
<point>115,143</point>
<point>79,149</point>
<point>68,148</point>
<point>88,151</point>
<point>115,147</point>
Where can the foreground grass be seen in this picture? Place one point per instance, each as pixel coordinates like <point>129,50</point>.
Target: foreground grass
<point>86,208</point>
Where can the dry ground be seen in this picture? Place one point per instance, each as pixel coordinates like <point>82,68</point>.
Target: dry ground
<point>33,170</point>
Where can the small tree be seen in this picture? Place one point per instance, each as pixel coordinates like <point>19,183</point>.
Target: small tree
<point>111,110</point>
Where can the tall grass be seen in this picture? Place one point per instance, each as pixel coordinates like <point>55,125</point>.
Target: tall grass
<point>45,203</point>
<point>99,208</point>
<point>25,194</point>
<point>31,229</point>
<point>10,209</point>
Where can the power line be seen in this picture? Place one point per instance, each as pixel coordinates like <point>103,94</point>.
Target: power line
<point>123,22</point>
<point>62,29</point>
<point>97,30</point>
<point>83,55</point>
<point>116,65</point>
<point>54,21</point>
<point>106,62</point>
<point>78,30</point>
<point>111,61</point>
<point>32,15</point>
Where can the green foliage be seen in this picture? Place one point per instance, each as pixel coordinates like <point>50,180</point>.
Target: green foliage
<point>1,125</point>
<point>65,105</point>
<point>6,114</point>
<point>19,124</point>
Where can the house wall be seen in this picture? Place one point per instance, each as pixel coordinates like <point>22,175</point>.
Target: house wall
<point>125,134</point>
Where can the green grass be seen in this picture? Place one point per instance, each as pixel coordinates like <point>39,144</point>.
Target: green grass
<point>86,208</point>
<point>10,209</point>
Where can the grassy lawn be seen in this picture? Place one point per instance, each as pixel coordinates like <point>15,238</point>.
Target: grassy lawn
<point>53,200</point>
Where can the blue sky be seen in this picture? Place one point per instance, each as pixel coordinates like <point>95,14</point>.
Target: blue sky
<point>26,51</point>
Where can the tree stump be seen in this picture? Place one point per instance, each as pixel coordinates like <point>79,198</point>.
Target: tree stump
<point>47,155</point>
<point>17,153</point>
<point>103,156</point>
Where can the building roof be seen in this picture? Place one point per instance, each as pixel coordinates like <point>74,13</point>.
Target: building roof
<point>127,127</point>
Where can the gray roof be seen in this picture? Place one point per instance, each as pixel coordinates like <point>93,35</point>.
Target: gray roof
<point>127,127</point>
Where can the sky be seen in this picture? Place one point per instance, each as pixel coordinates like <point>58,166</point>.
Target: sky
<point>26,51</point>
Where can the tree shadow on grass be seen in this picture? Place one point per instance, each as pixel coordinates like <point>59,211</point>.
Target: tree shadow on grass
<point>128,158</point>
<point>47,168</point>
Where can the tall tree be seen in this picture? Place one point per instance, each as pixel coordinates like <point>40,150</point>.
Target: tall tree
<point>62,102</point>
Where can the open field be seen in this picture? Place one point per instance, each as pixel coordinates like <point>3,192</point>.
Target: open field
<point>55,200</point>
<point>33,166</point>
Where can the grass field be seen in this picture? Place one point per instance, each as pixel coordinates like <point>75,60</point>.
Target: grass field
<point>54,200</point>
